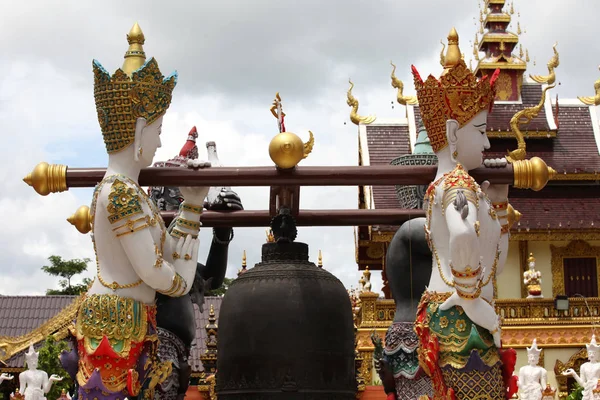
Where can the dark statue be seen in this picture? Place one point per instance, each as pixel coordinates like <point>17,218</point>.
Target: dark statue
<point>175,315</point>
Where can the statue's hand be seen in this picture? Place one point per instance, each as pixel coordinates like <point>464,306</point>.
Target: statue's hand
<point>195,195</point>
<point>569,372</point>
<point>6,377</point>
<point>226,200</point>
<point>496,193</point>
<point>187,248</point>
<point>55,378</point>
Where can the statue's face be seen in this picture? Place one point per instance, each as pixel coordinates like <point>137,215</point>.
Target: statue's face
<point>531,265</point>
<point>533,359</point>
<point>150,141</point>
<point>471,141</point>
<point>592,355</point>
<point>32,364</point>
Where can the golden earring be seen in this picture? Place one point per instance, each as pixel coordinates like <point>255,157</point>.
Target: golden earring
<point>455,154</point>
<point>140,151</point>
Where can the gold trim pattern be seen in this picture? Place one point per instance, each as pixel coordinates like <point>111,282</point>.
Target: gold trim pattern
<point>528,134</point>
<point>555,235</point>
<point>575,249</point>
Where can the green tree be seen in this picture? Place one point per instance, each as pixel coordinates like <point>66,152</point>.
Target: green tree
<point>67,269</point>
<point>220,291</point>
<point>49,362</point>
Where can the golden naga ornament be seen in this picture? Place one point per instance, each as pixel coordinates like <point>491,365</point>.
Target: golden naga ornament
<point>592,100</point>
<point>398,84</point>
<point>286,148</point>
<point>552,64</point>
<point>353,103</point>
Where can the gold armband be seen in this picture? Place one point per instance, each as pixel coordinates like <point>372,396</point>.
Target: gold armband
<point>191,208</point>
<point>176,233</point>
<point>130,225</point>
<point>187,223</point>
<point>503,206</point>
<point>505,229</point>
<point>123,202</point>
<point>178,287</point>
<point>450,196</point>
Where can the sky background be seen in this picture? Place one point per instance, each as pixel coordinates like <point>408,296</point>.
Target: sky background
<point>232,56</point>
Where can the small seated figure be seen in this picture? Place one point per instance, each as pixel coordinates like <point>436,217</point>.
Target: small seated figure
<point>34,384</point>
<point>532,279</point>
<point>5,377</point>
<point>548,393</point>
<point>589,372</point>
<point>532,377</point>
<point>367,280</point>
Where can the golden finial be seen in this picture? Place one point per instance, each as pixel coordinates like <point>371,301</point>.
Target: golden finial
<point>471,64</point>
<point>531,258</point>
<point>47,178</point>
<point>521,54</point>
<point>527,59</point>
<point>82,219</point>
<point>453,55</point>
<point>241,271</point>
<point>519,28</point>
<point>481,28</point>
<point>286,148</point>
<point>592,100</point>
<point>398,84</point>
<point>320,260</point>
<point>353,103</point>
<point>134,56</point>
<point>476,39</point>
<point>521,118</point>
<point>552,64</point>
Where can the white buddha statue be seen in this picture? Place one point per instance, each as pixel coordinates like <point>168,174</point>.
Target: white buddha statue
<point>532,377</point>
<point>135,257</point>
<point>532,279</point>
<point>34,383</point>
<point>589,372</point>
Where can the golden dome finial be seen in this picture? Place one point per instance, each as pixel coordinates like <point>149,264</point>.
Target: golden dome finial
<point>320,260</point>
<point>453,55</point>
<point>244,259</point>
<point>134,56</point>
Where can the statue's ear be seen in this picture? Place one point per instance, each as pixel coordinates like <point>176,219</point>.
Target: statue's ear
<point>140,124</point>
<point>451,134</point>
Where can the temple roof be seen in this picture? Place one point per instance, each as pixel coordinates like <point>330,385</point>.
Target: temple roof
<point>19,315</point>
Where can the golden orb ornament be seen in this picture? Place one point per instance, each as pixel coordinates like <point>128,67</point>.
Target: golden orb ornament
<point>287,150</point>
<point>47,178</point>
<point>532,174</point>
<point>82,220</point>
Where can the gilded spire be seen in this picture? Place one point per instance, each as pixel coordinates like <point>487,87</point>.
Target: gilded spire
<point>209,358</point>
<point>134,56</point>
<point>241,271</point>
<point>320,260</point>
<point>453,55</point>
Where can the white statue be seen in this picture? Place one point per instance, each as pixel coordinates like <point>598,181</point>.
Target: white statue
<point>532,279</point>
<point>5,377</point>
<point>532,378</point>
<point>135,256</point>
<point>367,285</point>
<point>34,383</point>
<point>589,372</point>
<point>464,220</point>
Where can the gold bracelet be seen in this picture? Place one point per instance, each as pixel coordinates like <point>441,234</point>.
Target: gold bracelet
<point>179,234</point>
<point>469,296</point>
<point>469,273</point>
<point>178,287</point>
<point>505,229</point>
<point>187,223</point>
<point>192,208</point>
<point>139,228</point>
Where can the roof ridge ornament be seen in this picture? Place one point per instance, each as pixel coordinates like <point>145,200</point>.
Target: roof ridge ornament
<point>592,100</point>
<point>353,103</point>
<point>398,84</point>
<point>552,64</point>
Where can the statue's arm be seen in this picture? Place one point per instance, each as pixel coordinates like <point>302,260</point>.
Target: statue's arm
<point>216,262</point>
<point>22,382</point>
<point>47,385</point>
<point>142,251</point>
<point>544,378</point>
<point>461,218</point>
<point>503,244</point>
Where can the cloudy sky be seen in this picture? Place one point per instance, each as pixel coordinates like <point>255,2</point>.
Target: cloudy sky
<point>232,56</point>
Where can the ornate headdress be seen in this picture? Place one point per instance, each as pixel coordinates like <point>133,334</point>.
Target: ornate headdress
<point>593,346</point>
<point>31,355</point>
<point>137,90</point>
<point>458,95</point>
<point>534,349</point>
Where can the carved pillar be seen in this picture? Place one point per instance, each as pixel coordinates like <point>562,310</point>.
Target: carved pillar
<point>523,252</point>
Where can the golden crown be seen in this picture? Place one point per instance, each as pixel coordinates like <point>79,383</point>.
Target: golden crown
<point>137,90</point>
<point>458,95</point>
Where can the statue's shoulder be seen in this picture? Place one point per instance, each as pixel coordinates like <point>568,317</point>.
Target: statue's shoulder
<point>459,178</point>
<point>124,199</point>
